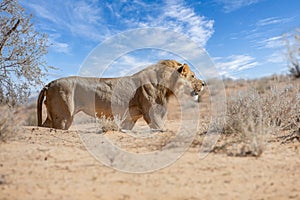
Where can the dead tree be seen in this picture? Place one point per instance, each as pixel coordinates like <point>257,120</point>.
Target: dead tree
<point>22,51</point>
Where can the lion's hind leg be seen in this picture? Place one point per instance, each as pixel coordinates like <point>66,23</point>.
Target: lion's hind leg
<point>60,112</point>
<point>61,118</point>
<point>47,123</point>
<point>59,121</point>
<point>63,123</point>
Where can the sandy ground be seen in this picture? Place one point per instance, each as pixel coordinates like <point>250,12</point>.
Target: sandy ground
<point>41,163</point>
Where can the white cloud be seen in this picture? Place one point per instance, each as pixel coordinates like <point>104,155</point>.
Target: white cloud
<point>140,47</point>
<point>278,57</point>
<point>234,64</point>
<point>272,42</point>
<point>267,27</point>
<point>58,46</point>
<point>61,47</point>
<point>272,21</point>
<point>86,12</point>
<point>95,20</point>
<point>232,5</point>
<point>198,28</point>
<point>80,18</point>
<point>128,65</point>
<point>43,12</point>
<point>85,20</point>
<point>174,15</point>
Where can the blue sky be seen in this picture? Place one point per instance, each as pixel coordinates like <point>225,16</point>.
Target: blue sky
<point>244,38</point>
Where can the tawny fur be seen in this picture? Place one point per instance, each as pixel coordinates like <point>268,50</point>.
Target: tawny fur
<point>130,97</point>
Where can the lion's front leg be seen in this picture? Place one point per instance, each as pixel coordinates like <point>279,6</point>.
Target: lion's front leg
<point>156,116</point>
<point>131,116</point>
<point>127,124</point>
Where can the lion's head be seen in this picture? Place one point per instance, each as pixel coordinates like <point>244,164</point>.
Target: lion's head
<point>186,73</point>
<point>197,84</point>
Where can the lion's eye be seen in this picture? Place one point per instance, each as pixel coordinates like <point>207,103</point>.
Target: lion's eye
<point>193,76</point>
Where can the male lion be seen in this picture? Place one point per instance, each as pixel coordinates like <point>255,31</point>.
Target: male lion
<point>144,94</point>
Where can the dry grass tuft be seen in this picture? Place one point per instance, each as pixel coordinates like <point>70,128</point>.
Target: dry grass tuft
<point>246,120</point>
<point>9,123</point>
<point>107,124</point>
<point>265,108</point>
<point>31,116</point>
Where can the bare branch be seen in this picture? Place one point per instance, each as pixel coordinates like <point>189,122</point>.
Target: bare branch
<point>22,51</point>
<point>6,36</point>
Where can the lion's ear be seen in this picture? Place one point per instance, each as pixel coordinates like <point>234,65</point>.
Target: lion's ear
<point>183,70</point>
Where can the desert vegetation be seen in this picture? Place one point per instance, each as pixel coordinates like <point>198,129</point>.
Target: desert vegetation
<point>266,108</point>
<point>36,161</point>
<point>258,112</point>
<point>22,51</point>
<point>8,123</point>
<point>22,64</point>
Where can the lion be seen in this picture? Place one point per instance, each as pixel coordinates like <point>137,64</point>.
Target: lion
<point>143,94</point>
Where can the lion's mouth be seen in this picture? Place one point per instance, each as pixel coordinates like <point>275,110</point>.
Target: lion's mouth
<point>195,95</point>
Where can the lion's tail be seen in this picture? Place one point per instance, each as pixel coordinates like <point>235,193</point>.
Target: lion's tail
<point>40,105</point>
